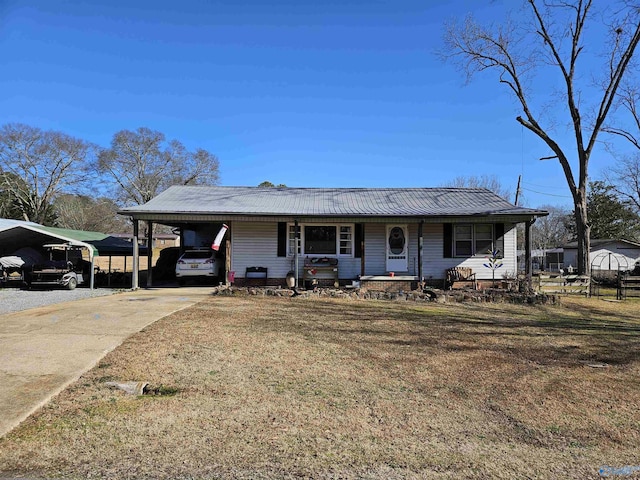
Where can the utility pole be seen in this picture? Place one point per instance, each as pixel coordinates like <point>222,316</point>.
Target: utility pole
<point>518,190</point>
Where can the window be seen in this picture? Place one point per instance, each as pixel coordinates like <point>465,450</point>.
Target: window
<point>322,240</point>
<point>346,240</point>
<point>469,240</point>
<point>292,240</point>
<point>484,239</point>
<point>463,241</point>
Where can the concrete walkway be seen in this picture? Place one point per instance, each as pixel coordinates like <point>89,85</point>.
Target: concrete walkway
<point>43,350</point>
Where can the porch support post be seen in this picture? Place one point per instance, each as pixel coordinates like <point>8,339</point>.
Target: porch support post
<point>92,275</point>
<point>528,265</point>
<point>420,246</point>
<point>227,261</point>
<point>296,242</point>
<point>149,253</point>
<point>362,249</point>
<point>136,256</point>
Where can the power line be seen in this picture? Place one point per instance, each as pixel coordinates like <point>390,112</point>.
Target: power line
<point>537,185</point>
<point>548,194</point>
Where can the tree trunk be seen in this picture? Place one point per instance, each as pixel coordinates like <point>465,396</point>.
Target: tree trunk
<point>583,231</point>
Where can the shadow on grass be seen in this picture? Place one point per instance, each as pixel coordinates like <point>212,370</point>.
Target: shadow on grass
<point>543,335</point>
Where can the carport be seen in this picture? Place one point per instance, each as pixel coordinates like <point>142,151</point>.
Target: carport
<point>15,234</point>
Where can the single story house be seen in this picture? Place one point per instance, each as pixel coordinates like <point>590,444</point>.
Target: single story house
<point>605,254</point>
<point>404,234</point>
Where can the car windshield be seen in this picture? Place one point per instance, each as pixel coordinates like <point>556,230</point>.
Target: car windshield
<point>202,254</point>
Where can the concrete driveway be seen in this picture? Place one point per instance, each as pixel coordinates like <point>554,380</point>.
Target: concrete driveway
<point>45,349</point>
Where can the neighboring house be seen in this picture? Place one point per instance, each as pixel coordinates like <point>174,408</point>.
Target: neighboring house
<point>160,240</point>
<point>605,254</point>
<point>416,233</point>
<point>549,260</point>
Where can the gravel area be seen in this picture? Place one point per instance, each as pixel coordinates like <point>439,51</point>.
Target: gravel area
<point>15,299</point>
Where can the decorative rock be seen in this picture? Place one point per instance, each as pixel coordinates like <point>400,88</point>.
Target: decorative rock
<point>132,388</point>
<point>428,295</point>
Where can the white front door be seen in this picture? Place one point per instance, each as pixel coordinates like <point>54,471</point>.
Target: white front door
<point>397,248</point>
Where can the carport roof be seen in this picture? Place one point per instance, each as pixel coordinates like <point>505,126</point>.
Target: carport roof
<point>17,234</point>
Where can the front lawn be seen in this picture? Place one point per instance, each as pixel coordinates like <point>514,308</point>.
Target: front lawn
<point>266,387</point>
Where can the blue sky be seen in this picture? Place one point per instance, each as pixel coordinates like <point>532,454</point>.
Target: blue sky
<point>310,94</point>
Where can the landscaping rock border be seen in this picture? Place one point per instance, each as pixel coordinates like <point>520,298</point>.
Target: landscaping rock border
<point>428,295</point>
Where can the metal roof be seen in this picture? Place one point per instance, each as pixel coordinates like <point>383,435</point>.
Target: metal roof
<point>9,222</point>
<point>598,242</point>
<point>382,202</point>
<point>15,234</point>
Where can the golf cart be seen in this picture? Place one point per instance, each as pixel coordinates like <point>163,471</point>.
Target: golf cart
<point>64,267</point>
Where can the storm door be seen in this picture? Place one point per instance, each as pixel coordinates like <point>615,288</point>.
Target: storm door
<point>397,248</point>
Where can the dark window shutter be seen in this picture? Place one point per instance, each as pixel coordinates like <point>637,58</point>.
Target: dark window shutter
<point>282,239</point>
<point>447,240</point>
<point>358,238</point>
<point>498,243</point>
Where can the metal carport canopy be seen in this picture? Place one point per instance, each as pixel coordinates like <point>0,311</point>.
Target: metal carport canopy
<point>15,234</point>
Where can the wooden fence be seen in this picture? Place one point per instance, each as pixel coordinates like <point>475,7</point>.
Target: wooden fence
<point>628,286</point>
<point>564,284</point>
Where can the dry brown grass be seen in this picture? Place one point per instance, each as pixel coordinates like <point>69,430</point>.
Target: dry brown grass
<point>295,388</point>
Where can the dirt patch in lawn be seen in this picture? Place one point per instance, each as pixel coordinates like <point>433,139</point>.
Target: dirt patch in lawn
<point>310,388</point>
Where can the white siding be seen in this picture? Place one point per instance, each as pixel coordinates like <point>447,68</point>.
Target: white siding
<point>375,248</point>
<point>435,265</point>
<point>375,241</point>
<point>255,244</point>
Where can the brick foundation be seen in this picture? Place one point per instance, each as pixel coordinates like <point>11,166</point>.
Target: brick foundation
<point>260,282</point>
<point>281,282</point>
<point>389,285</point>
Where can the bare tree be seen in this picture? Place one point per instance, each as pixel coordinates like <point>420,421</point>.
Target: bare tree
<point>551,231</point>
<point>8,203</point>
<point>490,182</point>
<point>624,178</point>
<point>551,39</point>
<point>47,163</point>
<point>630,100</point>
<point>143,163</point>
<point>80,212</point>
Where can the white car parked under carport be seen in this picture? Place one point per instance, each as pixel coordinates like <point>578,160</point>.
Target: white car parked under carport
<point>198,264</point>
